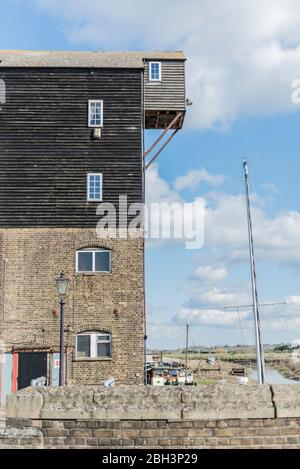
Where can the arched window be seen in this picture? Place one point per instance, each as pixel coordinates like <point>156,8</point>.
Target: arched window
<point>93,344</point>
<point>93,260</point>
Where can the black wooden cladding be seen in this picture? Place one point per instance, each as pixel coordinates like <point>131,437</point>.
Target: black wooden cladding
<point>47,149</point>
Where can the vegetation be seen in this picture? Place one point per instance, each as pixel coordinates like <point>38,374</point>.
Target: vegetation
<point>279,357</point>
<point>202,380</point>
<point>233,356</point>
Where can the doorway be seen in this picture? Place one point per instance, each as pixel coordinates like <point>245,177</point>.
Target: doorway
<point>31,365</point>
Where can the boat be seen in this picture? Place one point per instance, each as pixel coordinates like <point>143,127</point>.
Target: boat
<point>160,375</point>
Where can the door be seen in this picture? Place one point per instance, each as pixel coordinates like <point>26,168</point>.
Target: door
<point>32,365</point>
<point>55,363</point>
<point>6,376</point>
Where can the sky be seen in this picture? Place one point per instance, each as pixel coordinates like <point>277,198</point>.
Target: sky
<point>242,59</point>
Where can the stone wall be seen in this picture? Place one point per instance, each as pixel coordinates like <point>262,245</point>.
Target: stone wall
<point>30,261</point>
<point>228,416</point>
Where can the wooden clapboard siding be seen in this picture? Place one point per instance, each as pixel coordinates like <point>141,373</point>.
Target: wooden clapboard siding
<point>169,94</point>
<point>46,147</point>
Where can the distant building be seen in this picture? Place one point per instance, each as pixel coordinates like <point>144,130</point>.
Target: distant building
<point>154,357</point>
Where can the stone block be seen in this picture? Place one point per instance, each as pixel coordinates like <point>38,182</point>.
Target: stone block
<point>227,402</point>
<point>69,402</point>
<point>25,404</point>
<point>137,402</point>
<point>286,399</point>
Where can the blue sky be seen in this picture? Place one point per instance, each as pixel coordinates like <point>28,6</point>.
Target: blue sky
<point>239,77</point>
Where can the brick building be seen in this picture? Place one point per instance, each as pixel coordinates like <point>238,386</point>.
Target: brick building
<point>71,137</point>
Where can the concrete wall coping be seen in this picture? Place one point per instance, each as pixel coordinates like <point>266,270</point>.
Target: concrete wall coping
<point>159,403</point>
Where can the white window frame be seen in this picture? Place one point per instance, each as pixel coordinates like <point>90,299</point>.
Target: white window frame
<point>150,74</point>
<point>93,271</point>
<point>103,342</point>
<point>88,198</point>
<point>90,102</point>
<point>93,344</point>
<point>80,335</point>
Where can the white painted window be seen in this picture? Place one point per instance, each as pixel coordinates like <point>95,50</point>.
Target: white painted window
<point>154,71</point>
<point>94,187</point>
<point>93,344</point>
<point>95,113</point>
<point>93,260</point>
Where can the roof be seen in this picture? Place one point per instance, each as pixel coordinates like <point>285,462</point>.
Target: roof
<point>132,59</point>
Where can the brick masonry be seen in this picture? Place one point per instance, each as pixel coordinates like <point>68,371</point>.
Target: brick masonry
<point>229,433</point>
<point>30,261</point>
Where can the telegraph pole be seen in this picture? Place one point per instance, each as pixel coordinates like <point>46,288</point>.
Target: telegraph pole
<point>258,340</point>
<point>186,351</point>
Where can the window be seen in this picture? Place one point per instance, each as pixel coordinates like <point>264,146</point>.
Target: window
<point>155,71</point>
<point>93,260</point>
<point>95,113</point>
<point>83,346</point>
<point>93,345</point>
<point>94,187</point>
<point>103,342</point>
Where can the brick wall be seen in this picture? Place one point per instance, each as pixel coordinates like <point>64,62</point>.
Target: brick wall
<point>229,433</point>
<point>30,261</point>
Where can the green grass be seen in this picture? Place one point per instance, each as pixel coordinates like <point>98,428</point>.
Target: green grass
<point>230,356</point>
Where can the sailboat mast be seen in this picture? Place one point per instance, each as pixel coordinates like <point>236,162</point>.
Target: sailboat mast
<point>259,344</point>
<point>186,351</point>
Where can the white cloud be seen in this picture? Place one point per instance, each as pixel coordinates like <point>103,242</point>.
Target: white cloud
<point>169,217</point>
<point>219,297</point>
<point>209,317</point>
<point>158,189</point>
<point>242,56</point>
<point>273,318</point>
<point>276,238</point>
<point>194,177</point>
<point>276,313</point>
<point>293,299</point>
<point>282,324</point>
<point>210,274</point>
<point>270,188</point>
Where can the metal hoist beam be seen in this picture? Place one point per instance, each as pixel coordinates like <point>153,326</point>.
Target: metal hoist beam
<point>147,153</point>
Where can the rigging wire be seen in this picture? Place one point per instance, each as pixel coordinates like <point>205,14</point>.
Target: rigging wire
<point>241,326</point>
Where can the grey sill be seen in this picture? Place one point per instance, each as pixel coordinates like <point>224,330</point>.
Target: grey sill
<point>92,273</point>
<point>93,359</point>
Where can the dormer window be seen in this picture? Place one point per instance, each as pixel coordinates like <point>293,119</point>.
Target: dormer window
<point>95,113</point>
<point>155,71</point>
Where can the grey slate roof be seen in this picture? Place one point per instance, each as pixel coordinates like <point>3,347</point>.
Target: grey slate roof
<point>132,59</point>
